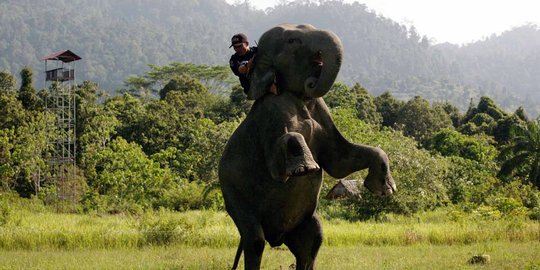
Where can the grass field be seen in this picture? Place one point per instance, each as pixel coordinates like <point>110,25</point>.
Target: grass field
<point>207,240</point>
<point>504,255</point>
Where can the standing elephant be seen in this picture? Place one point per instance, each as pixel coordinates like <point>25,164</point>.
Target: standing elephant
<point>270,172</point>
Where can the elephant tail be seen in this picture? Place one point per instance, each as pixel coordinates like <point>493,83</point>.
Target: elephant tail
<point>238,254</point>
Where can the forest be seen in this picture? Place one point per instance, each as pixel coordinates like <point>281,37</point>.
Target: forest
<point>160,150</point>
<point>117,39</point>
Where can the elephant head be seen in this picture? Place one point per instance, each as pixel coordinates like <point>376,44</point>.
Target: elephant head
<point>300,58</point>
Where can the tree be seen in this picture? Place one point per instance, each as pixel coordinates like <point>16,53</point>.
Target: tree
<point>483,118</point>
<point>365,106</point>
<point>488,106</point>
<point>138,86</point>
<point>167,122</point>
<point>522,156</point>
<point>183,83</point>
<point>7,82</point>
<point>29,143</point>
<point>449,142</point>
<point>198,158</point>
<point>481,123</point>
<point>452,111</point>
<point>11,110</point>
<point>129,111</point>
<point>23,135</point>
<point>95,126</point>
<point>98,131</point>
<point>126,179</point>
<point>237,105</point>
<point>503,128</point>
<point>339,96</point>
<point>419,175</point>
<point>6,162</point>
<point>215,78</point>
<point>419,120</point>
<point>520,113</point>
<point>358,98</point>
<point>389,108</point>
<point>239,100</point>
<point>27,93</point>
<point>469,181</point>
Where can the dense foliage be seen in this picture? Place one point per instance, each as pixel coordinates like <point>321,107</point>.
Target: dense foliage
<point>118,38</point>
<point>138,153</point>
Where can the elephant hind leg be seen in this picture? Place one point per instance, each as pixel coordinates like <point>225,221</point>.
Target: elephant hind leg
<point>304,242</point>
<point>253,245</point>
<point>252,239</point>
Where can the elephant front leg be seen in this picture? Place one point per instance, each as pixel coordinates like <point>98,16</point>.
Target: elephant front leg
<point>291,157</point>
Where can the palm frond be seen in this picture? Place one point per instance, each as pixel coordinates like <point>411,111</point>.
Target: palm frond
<point>515,162</point>
<point>522,155</point>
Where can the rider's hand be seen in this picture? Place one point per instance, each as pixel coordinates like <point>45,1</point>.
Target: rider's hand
<point>243,69</point>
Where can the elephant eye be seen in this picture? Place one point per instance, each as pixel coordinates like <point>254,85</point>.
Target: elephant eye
<point>294,40</point>
<point>383,167</point>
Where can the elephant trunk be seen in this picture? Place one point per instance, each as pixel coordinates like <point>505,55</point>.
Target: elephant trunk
<point>327,46</point>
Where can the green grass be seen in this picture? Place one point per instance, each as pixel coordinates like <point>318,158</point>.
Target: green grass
<point>504,255</point>
<point>40,239</point>
<point>26,230</point>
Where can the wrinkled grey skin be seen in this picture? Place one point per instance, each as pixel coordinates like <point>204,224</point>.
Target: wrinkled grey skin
<point>270,172</point>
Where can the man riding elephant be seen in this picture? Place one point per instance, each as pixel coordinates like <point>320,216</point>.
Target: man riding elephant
<point>241,61</point>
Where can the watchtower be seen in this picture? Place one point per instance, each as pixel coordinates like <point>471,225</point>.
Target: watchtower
<point>60,101</point>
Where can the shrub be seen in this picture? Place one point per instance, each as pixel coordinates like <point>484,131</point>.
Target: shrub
<point>126,179</point>
<point>160,229</point>
<point>191,196</point>
<point>449,142</point>
<point>418,175</point>
<point>535,214</point>
<point>487,212</point>
<point>5,213</point>
<point>469,181</point>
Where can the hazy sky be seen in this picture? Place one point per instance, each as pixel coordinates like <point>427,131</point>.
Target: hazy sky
<point>454,21</point>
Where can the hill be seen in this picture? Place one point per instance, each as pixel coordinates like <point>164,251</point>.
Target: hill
<point>117,38</point>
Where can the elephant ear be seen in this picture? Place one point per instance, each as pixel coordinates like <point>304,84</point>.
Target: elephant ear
<point>261,80</point>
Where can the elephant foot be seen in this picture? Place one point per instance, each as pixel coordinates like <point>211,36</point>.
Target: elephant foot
<point>300,166</point>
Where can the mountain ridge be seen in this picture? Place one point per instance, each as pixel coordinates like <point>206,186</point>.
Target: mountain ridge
<point>120,38</point>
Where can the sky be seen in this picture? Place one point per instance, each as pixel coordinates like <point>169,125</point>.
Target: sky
<point>455,21</point>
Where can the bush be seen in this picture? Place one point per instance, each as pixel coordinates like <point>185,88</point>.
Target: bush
<point>469,181</point>
<point>418,175</point>
<point>487,212</point>
<point>191,196</point>
<point>160,229</point>
<point>340,209</point>
<point>15,203</point>
<point>5,213</point>
<point>449,142</point>
<point>535,214</point>
<point>126,179</point>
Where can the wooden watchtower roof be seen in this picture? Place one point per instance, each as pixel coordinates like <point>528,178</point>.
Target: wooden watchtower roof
<point>64,56</point>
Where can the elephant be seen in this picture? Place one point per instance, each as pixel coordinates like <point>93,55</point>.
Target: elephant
<point>270,172</point>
